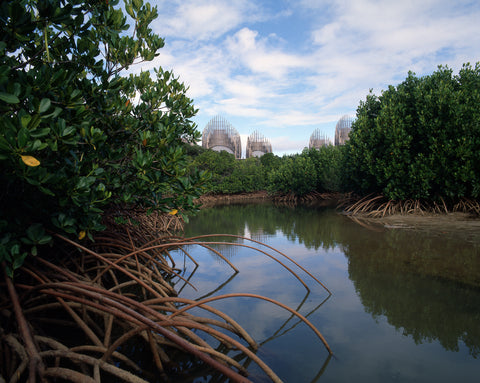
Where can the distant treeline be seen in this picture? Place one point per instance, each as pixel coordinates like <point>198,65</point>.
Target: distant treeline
<point>418,140</point>
<point>299,174</point>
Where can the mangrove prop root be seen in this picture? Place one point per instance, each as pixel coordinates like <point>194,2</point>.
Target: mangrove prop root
<point>305,320</point>
<point>378,206</point>
<point>114,295</point>
<point>36,364</point>
<point>269,255</point>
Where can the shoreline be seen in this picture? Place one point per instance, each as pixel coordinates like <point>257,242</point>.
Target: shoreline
<point>459,223</point>
<point>325,199</point>
<point>209,200</point>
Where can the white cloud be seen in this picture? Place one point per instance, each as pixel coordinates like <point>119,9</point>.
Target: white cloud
<point>259,57</point>
<point>285,145</point>
<point>327,34</point>
<point>203,19</point>
<point>244,88</point>
<point>405,31</point>
<point>230,54</point>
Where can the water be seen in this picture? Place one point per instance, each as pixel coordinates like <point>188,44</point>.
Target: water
<point>405,304</point>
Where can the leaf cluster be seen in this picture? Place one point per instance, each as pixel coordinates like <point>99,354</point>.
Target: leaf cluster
<point>78,133</point>
<point>228,175</point>
<point>300,174</point>
<point>314,170</point>
<point>420,139</point>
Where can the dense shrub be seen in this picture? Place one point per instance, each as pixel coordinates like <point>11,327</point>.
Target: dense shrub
<point>248,176</point>
<point>328,161</point>
<point>314,170</point>
<point>420,139</point>
<point>228,175</point>
<point>73,139</point>
<point>296,174</point>
<point>311,171</point>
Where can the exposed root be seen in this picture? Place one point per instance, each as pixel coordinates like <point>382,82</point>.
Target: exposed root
<point>118,299</point>
<point>378,206</point>
<point>140,223</point>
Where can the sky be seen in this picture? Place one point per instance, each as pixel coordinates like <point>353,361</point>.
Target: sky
<point>286,68</point>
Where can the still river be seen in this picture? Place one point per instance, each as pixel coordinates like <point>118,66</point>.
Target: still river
<point>405,303</point>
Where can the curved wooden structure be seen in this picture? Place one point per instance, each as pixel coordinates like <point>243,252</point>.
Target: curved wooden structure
<point>342,129</point>
<point>220,135</point>
<point>318,139</point>
<point>257,145</point>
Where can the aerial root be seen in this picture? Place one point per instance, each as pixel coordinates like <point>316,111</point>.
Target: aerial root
<point>118,296</point>
<point>378,206</point>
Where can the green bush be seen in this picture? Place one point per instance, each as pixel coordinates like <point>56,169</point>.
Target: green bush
<point>228,175</point>
<point>313,170</point>
<point>420,139</point>
<point>328,161</point>
<point>296,174</point>
<point>218,165</point>
<point>73,137</point>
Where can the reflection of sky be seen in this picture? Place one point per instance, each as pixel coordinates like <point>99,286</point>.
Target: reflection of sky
<point>366,349</point>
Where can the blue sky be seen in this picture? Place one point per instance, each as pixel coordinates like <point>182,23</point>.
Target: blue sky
<point>288,67</point>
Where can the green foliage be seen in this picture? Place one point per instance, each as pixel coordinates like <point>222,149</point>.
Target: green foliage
<point>73,140</point>
<point>270,161</point>
<point>420,139</point>
<point>313,170</point>
<point>217,165</point>
<point>296,174</point>
<point>328,161</point>
<point>228,175</point>
<point>247,176</point>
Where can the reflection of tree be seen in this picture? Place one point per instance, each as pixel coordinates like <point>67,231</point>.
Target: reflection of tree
<point>223,219</point>
<point>263,218</point>
<point>314,227</point>
<point>403,276</point>
<point>425,284</point>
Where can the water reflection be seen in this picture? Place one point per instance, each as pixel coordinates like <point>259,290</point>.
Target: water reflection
<point>405,250</point>
<point>313,227</point>
<point>425,285</point>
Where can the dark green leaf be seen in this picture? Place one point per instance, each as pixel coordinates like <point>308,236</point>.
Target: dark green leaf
<point>44,105</point>
<point>9,98</point>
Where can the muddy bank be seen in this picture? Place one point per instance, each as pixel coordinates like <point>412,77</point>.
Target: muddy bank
<point>456,224</point>
<point>209,200</point>
<point>313,199</point>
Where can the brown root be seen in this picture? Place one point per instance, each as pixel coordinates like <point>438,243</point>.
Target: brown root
<point>378,206</point>
<point>114,298</point>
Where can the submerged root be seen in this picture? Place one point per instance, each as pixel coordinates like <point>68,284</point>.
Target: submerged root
<point>118,297</point>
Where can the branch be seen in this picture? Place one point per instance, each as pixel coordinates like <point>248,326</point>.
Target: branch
<point>36,363</point>
<point>22,65</point>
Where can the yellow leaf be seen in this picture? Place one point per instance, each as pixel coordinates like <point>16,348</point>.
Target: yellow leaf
<point>82,234</point>
<point>30,161</point>
<point>173,212</point>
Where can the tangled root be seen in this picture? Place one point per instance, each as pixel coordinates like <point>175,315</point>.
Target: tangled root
<point>110,312</point>
<point>378,206</point>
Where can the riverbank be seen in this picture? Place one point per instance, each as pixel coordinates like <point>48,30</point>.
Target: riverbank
<point>466,225</point>
<point>462,225</point>
<point>317,199</point>
<point>208,200</point>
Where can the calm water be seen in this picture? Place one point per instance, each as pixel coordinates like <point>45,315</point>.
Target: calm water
<point>405,304</point>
